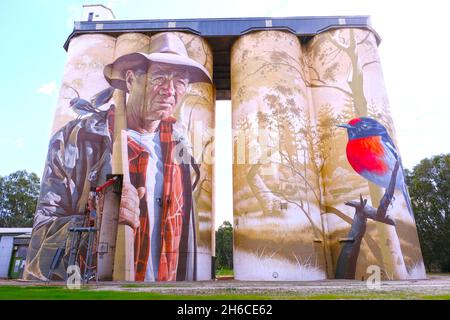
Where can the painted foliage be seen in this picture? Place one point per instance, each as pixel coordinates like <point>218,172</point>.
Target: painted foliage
<point>318,179</point>
<point>278,227</point>
<point>159,89</point>
<point>321,202</point>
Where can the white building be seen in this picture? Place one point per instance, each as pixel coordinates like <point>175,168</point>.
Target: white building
<point>97,12</point>
<point>13,251</point>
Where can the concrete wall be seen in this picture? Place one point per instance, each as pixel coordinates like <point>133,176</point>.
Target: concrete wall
<point>6,248</point>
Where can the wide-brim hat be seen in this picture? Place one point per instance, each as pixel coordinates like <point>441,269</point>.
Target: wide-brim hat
<point>165,48</point>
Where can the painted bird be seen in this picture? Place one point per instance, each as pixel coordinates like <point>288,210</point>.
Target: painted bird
<point>372,154</point>
<point>83,107</point>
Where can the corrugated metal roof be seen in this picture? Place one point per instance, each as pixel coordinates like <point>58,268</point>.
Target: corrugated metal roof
<point>224,27</point>
<point>12,231</point>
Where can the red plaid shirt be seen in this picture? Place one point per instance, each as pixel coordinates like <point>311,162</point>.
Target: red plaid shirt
<point>172,206</point>
<point>176,210</point>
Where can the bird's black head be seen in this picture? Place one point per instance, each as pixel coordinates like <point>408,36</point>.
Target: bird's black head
<point>73,101</point>
<point>363,127</point>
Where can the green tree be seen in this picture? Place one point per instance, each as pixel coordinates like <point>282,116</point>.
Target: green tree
<point>19,193</point>
<point>224,246</point>
<point>429,187</point>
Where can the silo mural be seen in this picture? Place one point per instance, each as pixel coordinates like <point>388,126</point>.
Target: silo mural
<point>148,100</point>
<point>361,161</point>
<point>57,210</point>
<point>318,179</point>
<point>127,190</point>
<point>277,222</point>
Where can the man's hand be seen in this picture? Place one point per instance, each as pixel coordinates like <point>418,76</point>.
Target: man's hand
<point>129,205</point>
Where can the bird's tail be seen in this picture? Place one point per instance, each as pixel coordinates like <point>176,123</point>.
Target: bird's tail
<point>102,97</point>
<point>405,190</point>
<point>407,200</point>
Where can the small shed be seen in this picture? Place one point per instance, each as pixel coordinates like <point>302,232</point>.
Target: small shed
<point>13,251</point>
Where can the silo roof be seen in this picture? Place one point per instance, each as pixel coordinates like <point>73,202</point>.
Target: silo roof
<point>221,33</point>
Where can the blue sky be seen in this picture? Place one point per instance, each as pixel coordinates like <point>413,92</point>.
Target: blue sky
<point>32,34</point>
<point>32,60</point>
<point>413,52</point>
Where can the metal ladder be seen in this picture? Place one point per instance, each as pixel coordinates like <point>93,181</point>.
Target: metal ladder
<point>75,247</point>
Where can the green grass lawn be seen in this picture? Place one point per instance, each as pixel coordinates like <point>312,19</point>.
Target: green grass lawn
<point>61,293</point>
<point>224,272</point>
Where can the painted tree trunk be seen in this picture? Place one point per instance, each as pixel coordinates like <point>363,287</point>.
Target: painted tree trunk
<point>277,223</point>
<point>348,257</point>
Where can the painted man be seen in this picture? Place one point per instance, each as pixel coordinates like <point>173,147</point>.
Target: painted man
<point>157,203</point>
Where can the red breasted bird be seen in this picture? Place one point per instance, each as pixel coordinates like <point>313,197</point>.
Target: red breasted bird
<point>372,154</point>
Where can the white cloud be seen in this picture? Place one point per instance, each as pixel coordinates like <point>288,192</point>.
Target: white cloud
<point>47,88</point>
<point>19,143</point>
<point>14,142</point>
<point>113,3</point>
<point>4,141</point>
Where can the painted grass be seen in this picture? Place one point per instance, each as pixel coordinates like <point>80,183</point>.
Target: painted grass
<point>262,266</point>
<point>60,293</point>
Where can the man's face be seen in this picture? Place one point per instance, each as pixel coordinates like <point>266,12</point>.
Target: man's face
<point>156,95</point>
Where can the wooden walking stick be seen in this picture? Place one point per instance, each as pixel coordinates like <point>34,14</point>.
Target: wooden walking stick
<point>124,253</point>
<point>116,241</point>
<point>124,243</point>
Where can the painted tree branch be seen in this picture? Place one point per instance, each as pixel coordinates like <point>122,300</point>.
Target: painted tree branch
<point>299,174</point>
<point>346,265</point>
<point>268,198</point>
<point>323,84</point>
<point>369,63</point>
<point>365,38</point>
<point>318,233</point>
<point>368,239</point>
<point>330,86</point>
<point>271,64</point>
